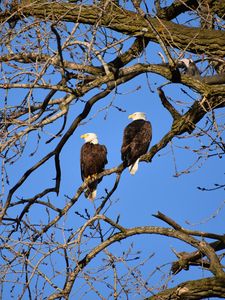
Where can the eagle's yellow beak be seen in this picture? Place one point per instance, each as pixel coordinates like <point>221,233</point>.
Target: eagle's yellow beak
<point>131,116</point>
<point>83,136</point>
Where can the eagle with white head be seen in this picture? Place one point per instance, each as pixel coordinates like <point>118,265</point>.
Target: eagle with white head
<point>93,158</point>
<point>136,139</point>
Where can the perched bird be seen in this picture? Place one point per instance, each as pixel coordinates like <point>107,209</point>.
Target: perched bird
<point>188,66</point>
<point>93,158</point>
<point>136,139</point>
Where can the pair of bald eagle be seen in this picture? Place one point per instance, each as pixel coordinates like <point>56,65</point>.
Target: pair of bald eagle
<point>93,158</point>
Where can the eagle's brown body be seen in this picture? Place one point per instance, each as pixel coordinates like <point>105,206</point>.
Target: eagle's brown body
<point>93,158</point>
<point>136,140</point>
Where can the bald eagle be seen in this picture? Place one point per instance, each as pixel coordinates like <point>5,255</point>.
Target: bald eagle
<point>93,158</point>
<point>136,139</point>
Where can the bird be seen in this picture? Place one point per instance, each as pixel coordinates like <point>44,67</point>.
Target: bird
<point>189,67</point>
<point>93,158</point>
<point>136,139</point>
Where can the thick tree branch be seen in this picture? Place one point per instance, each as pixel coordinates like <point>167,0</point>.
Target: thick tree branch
<point>176,8</point>
<point>194,290</point>
<point>195,258</point>
<point>121,20</point>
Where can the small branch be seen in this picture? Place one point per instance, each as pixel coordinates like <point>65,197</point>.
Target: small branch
<point>58,40</point>
<point>59,132</point>
<point>168,220</point>
<point>110,193</point>
<point>174,113</point>
<point>155,32</point>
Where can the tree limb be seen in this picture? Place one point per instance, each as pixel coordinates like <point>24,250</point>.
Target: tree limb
<point>128,22</point>
<point>193,290</point>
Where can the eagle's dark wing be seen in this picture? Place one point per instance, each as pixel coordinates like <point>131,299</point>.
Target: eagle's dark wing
<point>136,140</point>
<point>130,132</point>
<point>93,158</point>
<point>84,157</point>
<point>101,157</point>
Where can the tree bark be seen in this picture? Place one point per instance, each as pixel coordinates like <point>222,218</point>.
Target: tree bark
<point>194,290</point>
<point>193,39</point>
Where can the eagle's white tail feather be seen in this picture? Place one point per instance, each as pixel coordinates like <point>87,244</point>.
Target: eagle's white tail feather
<point>92,195</point>
<point>133,168</point>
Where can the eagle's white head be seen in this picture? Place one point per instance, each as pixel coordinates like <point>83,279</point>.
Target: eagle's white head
<point>186,61</point>
<point>90,137</point>
<point>137,116</point>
